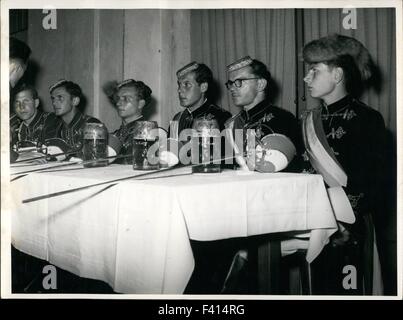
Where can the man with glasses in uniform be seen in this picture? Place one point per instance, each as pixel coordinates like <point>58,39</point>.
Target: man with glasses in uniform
<point>248,83</point>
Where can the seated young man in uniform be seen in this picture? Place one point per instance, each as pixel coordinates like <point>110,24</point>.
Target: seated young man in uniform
<point>130,98</point>
<point>66,97</point>
<point>338,67</point>
<point>248,83</point>
<point>194,82</point>
<point>35,125</point>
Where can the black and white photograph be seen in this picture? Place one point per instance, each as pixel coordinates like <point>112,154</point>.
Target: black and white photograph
<point>199,149</point>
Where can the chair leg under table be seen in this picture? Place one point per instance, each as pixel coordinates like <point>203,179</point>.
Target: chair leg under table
<point>268,266</point>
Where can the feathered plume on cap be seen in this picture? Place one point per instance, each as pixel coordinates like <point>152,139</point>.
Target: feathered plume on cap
<point>241,63</point>
<point>186,69</point>
<point>335,45</point>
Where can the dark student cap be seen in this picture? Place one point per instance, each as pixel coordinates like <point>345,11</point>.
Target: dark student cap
<point>239,64</point>
<point>186,69</point>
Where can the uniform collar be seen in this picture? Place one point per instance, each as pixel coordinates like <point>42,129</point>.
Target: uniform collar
<point>338,105</point>
<point>198,110</point>
<point>76,119</point>
<point>256,111</point>
<point>131,123</point>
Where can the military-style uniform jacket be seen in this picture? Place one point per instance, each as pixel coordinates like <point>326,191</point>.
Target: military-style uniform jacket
<point>207,110</point>
<point>72,133</point>
<point>356,134</point>
<point>125,135</point>
<point>266,119</point>
<point>42,127</point>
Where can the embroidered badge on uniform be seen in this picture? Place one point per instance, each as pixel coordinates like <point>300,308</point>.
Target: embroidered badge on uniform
<point>339,133</point>
<point>349,114</point>
<point>259,132</point>
<point>334,151</point>
<point>267,117</point>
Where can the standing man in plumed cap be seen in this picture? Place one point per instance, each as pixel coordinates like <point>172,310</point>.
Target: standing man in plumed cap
<point>248,83</point>
<point>338,66</point>
<point>194,82</point>
<point>130,98</point>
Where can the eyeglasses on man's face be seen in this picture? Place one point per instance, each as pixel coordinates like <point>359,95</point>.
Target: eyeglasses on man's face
<point>237,82</point>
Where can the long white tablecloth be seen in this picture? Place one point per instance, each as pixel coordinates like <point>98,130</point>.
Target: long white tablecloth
<point>135,235</point>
